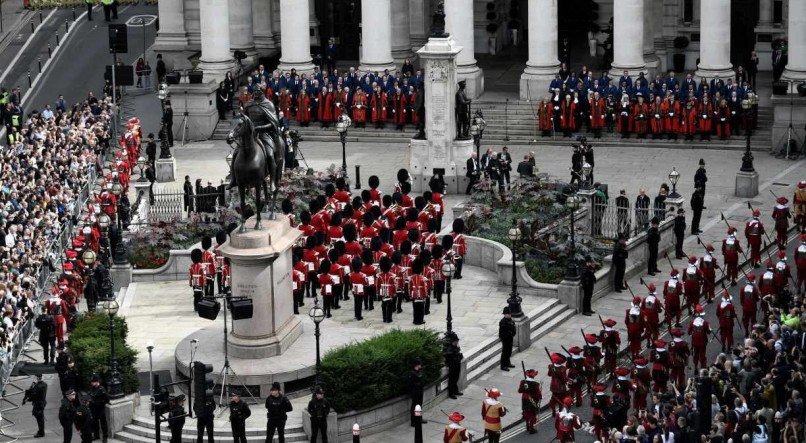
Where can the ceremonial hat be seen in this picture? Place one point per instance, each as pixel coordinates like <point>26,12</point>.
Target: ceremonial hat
<point>636,300</point>
<point>71,254</point>
<point>769,263</point>
<point>456,417</point>
<point>781,254</point>
<point>599,388</point>
<point>709,247</point>
<point>609,323</point>
<point>676,332</point>
<point>459,226</point>
<point>692,259</point>
<point>622,372</point>
<point>67,267</point>
<point>781,200</point>
<point>756,212</point>
<point>374,181</point>
<point>221,237</point>
<point>802,184</point>
<point>651,287</point>
<point>574,350</point>
<point>568,401</point>
<point>531,372</point>
<point>674,272</point>
<point>702,162</point>
<point>698,308</point>
<point>659,343</point>
<point>640,361</point>
<point>591,338</point>
<point>403,174</point>
<point>731,229</point>
<point>206,242</point>
<point>506,311</point>
<point>196,255</point>
<point>493,393</point>
<point>803,237</point>
<point>557,359</point>
<point>751,276</point>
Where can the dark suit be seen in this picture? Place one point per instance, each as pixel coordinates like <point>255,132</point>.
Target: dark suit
<point>473,171</point>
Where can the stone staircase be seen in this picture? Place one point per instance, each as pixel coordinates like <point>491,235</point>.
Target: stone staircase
<point>514,122</point>
<point>141,430</point>
<point>543,319</point>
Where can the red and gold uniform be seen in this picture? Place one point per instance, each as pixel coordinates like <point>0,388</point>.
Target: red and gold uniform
<point>781,216</point>
<point>679,353</point>
<point>661,361</point>
<point>635,327</point>
<point>672,290</point>
<point>753,231</point>
<point>650,314</point>
<point>641,378</point>
<point>611,341</point>
<point>531,396</point>
<point>593,359</point>
<point>492,410</point>
<point>622,386</point>
<point>566,423</point>
<point>708,267</point>
<point>800,264</point>
<point>731,248</point>
<point>748,297</point>
<point>699,330</point>
<point>559,381</point>
<point>454,431</point>
<point>726,313</point>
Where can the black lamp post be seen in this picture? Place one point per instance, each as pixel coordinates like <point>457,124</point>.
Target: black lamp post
<point>747,158</point>
<point>571,272</point>
<point>448,269</point>
<point>104,222</point>
<point>317,314</point>
<point>674,176</point>
<point>341,127</point>
<point>115,386</point>
<point>117,191</point>
<point>514,300</point>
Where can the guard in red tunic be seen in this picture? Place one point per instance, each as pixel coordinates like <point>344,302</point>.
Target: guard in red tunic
<point>782,272</point>
<point>661,361</point>
<point>622,386</point>
<point>672,290</point>
<point>650,313</point>
<point>327,286</point>
<point>800,264</point>
<point>208,262</point>
<point>635,326</point>
<point>748,297</point>
<point>593,359</point>
<point>196,277</point>
<point>611,341</point>
<point>679,353</point>
<point>386,288</point>
<point>566,422</point>
<point>459,246</point>
<point>641,377</point>
<point>220,239</point>
<point>699,330</point>
<point>559,381</point>
<point>359,283</point>
<point>753,231</point>
<point>599,402</point>
<point>298,277</point>
<point>531,396</point>
<point>454,432</point>
<point>781,216</point>
<point>418,291</point>
<point>692,279</point>
<point>731,248</point>
<point>726,313</point>
<point>576,374</point>
<point>708,267</point>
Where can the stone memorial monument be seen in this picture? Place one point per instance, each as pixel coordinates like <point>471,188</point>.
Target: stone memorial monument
<point>440,151</point>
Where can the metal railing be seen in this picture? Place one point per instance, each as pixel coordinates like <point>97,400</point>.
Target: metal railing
<point>609,219</point>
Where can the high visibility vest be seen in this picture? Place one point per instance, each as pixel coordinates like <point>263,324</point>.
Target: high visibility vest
<point>107,2</point>
<point>4,99</point>
<point>15,120</point>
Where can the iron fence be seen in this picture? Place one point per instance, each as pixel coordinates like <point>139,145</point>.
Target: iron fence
<point>611,218</point>
<point>167,204</point>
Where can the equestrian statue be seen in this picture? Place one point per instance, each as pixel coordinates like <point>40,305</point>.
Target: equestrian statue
<point>258,154</point>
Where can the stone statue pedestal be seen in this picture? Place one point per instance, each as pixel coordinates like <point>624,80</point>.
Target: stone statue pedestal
<point>165,169</point>
<point>746,184</point>
<point>439,150</point>
<point>261,270</point>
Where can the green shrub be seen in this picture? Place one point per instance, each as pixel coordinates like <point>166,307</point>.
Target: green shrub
<point>89,347</point>
<point>361,375</point>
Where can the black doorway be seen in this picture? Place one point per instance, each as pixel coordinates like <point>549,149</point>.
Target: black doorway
<point>340,19</point>
<point>743,19</point>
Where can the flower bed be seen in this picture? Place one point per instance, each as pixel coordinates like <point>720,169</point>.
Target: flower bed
<point>47,4</point>
<point>150,248</point>
<point>535,206</point>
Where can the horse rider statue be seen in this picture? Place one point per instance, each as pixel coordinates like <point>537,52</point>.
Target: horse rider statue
<point>266,125</point>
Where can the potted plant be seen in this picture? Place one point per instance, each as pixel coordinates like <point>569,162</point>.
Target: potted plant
<point>679,57</point>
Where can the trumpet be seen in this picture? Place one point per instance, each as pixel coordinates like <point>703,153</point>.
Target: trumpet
<point>428,207</point>
<point>329,206</point>
<point>394,207</point>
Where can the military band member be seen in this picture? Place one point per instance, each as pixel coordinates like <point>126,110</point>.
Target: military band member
<point>459,246</point>
<point>386,288</point>
<point>220,239</point>
<point>622,386</point>
<point>196,278</point>
<point>359,283</point>
<point>208,263</point>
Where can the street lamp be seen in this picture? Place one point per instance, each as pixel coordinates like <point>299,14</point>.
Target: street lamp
<point>162,94</point>
<point>317,314</point>
<point>141,163</point>
<point>747,158</point>
<point>117,190</point>
<point>228,159</point>
<point>514,300</point>
<point>571,273</point>
<point>448,269</point>
<point>587,169</point>
<point>115,387</point>
<point>341,127</point>
<point>477,130</point>
<point>673,177</point>
<point>104,222</point>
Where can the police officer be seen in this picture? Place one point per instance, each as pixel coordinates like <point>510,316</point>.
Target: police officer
<point>652,242</point>
<point>588,280</point>
<point>277,409</point>
<point>176,418</point>
<point>205,414</point>
<point>453,360</point>
<point>238,413</point>
<point>319,408</point>
<point>37,395</point>
<point>415,385</point>
<point>67,415</point>
<point>47,336</point>
<point>83,420</point>
<point>98,401</point>
<point>506,332</point>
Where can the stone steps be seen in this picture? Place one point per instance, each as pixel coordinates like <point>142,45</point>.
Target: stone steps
<point>141,430</point>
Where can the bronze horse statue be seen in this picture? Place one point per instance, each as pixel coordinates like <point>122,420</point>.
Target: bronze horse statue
<point>255,164</point>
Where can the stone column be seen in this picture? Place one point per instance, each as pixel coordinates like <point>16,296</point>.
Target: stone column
<point>262,27</point>
<point>313,23</point>
<point>764,13</point>
<point>651,60</point>
<point>628,37</point>
<point>419,23</point>
<point>216,58</point>
<point>172,34</point>
<point>459,24</point>
<point>376,35</point>
<point>401,42</point>
<point>296,45</point>
<point>241,31</point>
<point>543,63</point>
<point>715,40</point>
<point>796,27</point>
